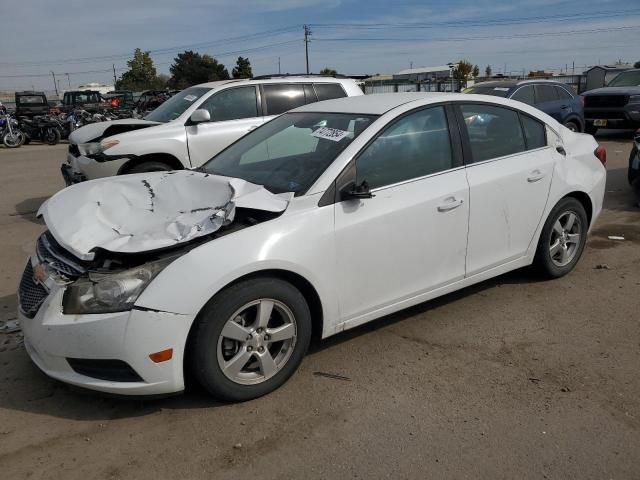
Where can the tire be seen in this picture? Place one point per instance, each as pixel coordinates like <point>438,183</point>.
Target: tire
<point>635,185</point>
<point>558,248</point>
<point>12,141</point>
<point>52,136</point>
<point>573,126</point>
<point>209,350</point>
<point>590,129</point>
<point>151,166</point>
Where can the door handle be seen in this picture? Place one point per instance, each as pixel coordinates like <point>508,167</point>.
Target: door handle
<point>535,176</point>
<point>449,204</point>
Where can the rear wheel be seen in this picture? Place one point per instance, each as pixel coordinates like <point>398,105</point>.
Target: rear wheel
<point>562,239</point>
<point>150,166</point>
<point>636,190</point>
<point>250,339</point>
<point>573,126</point>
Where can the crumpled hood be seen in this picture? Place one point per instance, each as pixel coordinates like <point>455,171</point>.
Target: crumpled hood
<point>92,131</point>
<point>149,211</point>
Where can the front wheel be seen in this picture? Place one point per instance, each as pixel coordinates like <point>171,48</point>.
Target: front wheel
<point>13,140</point>
<point>52,136</point>
<point>151,167</point>
<point>563,238</point>
<point>250,338</point>
<point>590,129</point>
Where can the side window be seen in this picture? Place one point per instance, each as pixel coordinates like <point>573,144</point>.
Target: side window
<point>524,95</point>
<point>414,146</point>
<point>327,91</point>
<point>232,104</point>
<point>545,93</point>
<point>563,94</point>
<point>533,132</point>
<point>493,131</point>
<point>309,94</point>
<point>283,97</point>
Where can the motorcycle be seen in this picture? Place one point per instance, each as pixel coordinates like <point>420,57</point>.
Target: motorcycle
<point>40,128</point>
<point>12,136</point>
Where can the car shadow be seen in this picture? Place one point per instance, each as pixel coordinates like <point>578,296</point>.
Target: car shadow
<point>25,388</point>
<point>28,208</point>
<point>618,194</point>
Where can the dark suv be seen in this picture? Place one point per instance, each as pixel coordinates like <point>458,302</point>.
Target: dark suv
<point>615,106</point>
<point>553,98</point>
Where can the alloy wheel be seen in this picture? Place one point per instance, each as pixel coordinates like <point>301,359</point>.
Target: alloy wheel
<point>565,238</point>
<point>256,341</point>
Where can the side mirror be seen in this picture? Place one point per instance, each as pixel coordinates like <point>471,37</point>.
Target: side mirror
<point>353,191</point>
<point>200,116</point>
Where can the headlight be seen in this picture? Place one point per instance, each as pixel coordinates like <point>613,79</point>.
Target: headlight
<point>634,99</point>
<point>111,292</point>
<point>90,148</point>
<point>95,148</point>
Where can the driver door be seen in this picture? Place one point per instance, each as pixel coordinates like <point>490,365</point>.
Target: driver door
<point>411,236</point>
<point>234,112</point>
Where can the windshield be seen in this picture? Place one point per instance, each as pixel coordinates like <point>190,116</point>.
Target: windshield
<point>290,152</point>
<point>626,79</point>
<point>488,90</point>
<point>176,105</point>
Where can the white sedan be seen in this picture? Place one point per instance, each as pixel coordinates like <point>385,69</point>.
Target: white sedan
<point>330,216</point>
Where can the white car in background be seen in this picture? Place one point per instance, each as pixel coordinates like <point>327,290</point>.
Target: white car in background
<point>193,125</point>
<point>327,217</point>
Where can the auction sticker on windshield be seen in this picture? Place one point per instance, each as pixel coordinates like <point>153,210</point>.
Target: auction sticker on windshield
<point>190,98</point>
<point>330,134</point>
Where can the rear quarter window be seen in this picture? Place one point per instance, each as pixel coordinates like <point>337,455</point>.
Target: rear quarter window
<point>534,132</point>
<point>328,91</point>
<point>283,97</point>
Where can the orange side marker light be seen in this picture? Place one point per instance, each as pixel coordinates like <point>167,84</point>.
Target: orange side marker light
<point>162,356</point>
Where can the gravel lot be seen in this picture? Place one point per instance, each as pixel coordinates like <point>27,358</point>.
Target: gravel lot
<point>512,378</point>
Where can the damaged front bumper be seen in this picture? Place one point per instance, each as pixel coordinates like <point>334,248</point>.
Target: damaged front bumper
<point>105,352</point>
<point>79,168</point>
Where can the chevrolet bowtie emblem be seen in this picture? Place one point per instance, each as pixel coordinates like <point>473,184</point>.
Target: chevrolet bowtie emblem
<point>39,273</point>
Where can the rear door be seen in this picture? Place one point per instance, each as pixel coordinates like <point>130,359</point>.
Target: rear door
<point>234,112</point>
<point>548,101</point>
<point>509,170</point>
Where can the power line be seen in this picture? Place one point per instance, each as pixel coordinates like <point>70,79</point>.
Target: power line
<point>491,37</point>
<point>483,22</point>
<point>158,51</point>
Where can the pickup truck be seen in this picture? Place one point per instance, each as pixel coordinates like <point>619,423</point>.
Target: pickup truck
<point>615,106</point>
<point>30,103</point>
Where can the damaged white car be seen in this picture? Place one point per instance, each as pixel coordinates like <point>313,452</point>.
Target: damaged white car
<point>325,218</point>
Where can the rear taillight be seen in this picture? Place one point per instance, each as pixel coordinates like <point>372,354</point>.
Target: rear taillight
<point>601,154</point>
<point>582,100</point>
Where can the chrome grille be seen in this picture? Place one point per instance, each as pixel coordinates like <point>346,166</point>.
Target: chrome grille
<point>58,258</point>
<point>30,294</point>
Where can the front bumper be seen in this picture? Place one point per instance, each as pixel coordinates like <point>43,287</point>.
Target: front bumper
<point>616,117</point>
<point>52,338</point>
<point>79,168</point>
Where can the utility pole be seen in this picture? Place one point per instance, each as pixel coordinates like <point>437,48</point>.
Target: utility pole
<point>307,34</point>
<point>114,75</point>
<point>68,79</point>
<point>279,72</point>
<point>410,65</point>
<point>55,85</point>
<point>573,68</point>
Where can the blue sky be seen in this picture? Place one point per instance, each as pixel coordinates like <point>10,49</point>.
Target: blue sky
<point>87,35</point>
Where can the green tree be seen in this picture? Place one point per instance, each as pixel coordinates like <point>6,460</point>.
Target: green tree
<point>242,68</point>
<point>488,71</point>
<point>141,74</point>
<point>636,65</point>
<point>463,72</point>
<point>190,68</point>
<point>476,70</point>
<point>328,71</point>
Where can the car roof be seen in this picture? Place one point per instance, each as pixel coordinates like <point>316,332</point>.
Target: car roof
<point>276,79</point>
<point>375,104</point>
